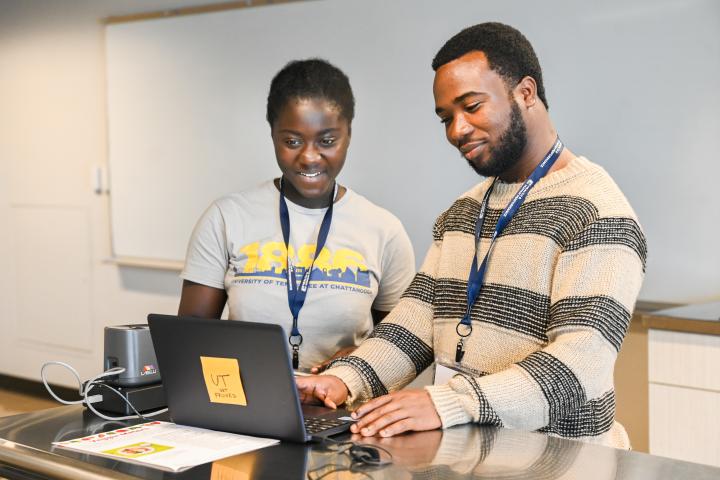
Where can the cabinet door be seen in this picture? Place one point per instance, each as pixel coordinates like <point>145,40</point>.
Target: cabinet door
<point>684,359</point>
<point>685,423</point>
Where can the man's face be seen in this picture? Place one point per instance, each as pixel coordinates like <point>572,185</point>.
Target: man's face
<point>481,117</point>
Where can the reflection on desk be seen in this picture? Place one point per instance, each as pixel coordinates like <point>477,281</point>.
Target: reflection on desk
<point>466,451</point>
<point>484,452</point>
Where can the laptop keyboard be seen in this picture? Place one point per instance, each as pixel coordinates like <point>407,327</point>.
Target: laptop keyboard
<point>315,425</point>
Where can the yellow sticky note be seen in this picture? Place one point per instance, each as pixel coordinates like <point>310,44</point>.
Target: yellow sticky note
<point>239,467</point>
<point>222,379</point>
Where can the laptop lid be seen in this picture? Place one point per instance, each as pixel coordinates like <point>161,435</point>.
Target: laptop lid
<point>231,376</point>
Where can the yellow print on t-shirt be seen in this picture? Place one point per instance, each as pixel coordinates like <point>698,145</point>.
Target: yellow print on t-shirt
<point>269,259</point>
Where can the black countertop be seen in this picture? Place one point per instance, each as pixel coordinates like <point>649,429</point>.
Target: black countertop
<point>468,451</point>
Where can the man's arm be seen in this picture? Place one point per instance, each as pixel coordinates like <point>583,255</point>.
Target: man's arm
<point>397,271</point>
<point>593,293</point>
<point>398,349</point>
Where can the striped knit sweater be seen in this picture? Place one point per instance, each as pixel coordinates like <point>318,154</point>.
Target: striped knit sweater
<point>557,298</point>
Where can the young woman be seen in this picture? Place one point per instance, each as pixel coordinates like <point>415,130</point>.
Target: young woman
<point>347,261</point>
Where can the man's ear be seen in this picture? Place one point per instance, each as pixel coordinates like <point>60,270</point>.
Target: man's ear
<point>526,92</point>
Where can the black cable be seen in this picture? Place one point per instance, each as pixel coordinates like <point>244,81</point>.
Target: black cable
<point>361,455</point>
<point>338,468</point>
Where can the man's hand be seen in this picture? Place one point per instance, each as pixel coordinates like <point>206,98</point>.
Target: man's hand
<point>326,389</point>
<point>343,352</point>
<point>406,410</point>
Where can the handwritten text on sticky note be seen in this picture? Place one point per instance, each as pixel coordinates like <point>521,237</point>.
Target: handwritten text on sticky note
<point>222,378</point>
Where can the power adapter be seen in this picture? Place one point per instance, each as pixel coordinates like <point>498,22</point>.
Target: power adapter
<point>129,401</point>
<point>144,399</point>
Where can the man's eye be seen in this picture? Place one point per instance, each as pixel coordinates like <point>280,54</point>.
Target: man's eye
<point>445,120</point>
<point>473,106</point>
<point>327,141</point>
<point>292,142</point>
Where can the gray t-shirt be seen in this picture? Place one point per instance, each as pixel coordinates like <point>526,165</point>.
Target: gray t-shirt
<point>367,262</point>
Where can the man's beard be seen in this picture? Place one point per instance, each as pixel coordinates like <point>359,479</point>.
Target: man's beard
<point>508,149</point>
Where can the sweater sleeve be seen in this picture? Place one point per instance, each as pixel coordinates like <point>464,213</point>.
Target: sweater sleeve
<point>596,280</point>
<point>404,337</point>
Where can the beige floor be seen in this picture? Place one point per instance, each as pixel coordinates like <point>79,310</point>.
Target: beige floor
<point>12,403</point>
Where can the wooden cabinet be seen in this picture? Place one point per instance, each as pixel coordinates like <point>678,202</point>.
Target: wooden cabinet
<point>684,383</point>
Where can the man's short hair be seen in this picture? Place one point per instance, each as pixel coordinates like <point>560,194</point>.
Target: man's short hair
<point>508,52</point>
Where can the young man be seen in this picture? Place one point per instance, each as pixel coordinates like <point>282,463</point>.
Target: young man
<point>525,296</point>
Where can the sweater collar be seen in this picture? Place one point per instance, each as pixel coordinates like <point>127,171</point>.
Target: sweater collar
<point>504,192</point>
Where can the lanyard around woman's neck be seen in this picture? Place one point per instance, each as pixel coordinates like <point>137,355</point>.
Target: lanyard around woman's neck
<point>297,292</point>
<point>475,278</point>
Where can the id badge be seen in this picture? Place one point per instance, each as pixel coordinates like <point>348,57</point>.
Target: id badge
<point>443,374</point>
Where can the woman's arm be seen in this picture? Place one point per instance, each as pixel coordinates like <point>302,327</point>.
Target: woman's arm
<point>203,293</point>
<point>398,269</point>
<point>377,316</point>
<point>201,301</point>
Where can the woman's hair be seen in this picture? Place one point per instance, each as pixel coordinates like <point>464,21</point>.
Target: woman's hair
<point>310,79</point>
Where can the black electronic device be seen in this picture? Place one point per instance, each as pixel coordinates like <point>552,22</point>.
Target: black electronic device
<point>144,399</point>
<point>364,453</point>
<point>236,377</point>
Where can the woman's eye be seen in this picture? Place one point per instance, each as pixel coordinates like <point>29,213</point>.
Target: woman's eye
<point>292,142</point>
<point>445,120</point>
<point>327,141</point>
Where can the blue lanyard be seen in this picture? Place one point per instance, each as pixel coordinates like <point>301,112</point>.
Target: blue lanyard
<point>476,276</point>
<point>298,292</point>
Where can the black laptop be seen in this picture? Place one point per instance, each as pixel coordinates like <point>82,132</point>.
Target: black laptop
<point>235,377</point>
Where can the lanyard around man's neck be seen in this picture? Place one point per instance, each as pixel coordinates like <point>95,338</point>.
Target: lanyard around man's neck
<point>297,292</point>
<point>476,276</point>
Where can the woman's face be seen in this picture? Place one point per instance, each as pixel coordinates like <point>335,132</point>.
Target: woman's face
<point>311,139</point>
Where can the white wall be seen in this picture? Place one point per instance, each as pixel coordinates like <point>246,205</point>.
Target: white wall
<point>57,291</point>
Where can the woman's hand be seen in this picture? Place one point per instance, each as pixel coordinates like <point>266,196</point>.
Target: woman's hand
<point>397,412</point>
<point>326,389</point>
<point>340,353</point>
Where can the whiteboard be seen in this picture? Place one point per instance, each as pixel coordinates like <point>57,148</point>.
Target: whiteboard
<point>631,85</point>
